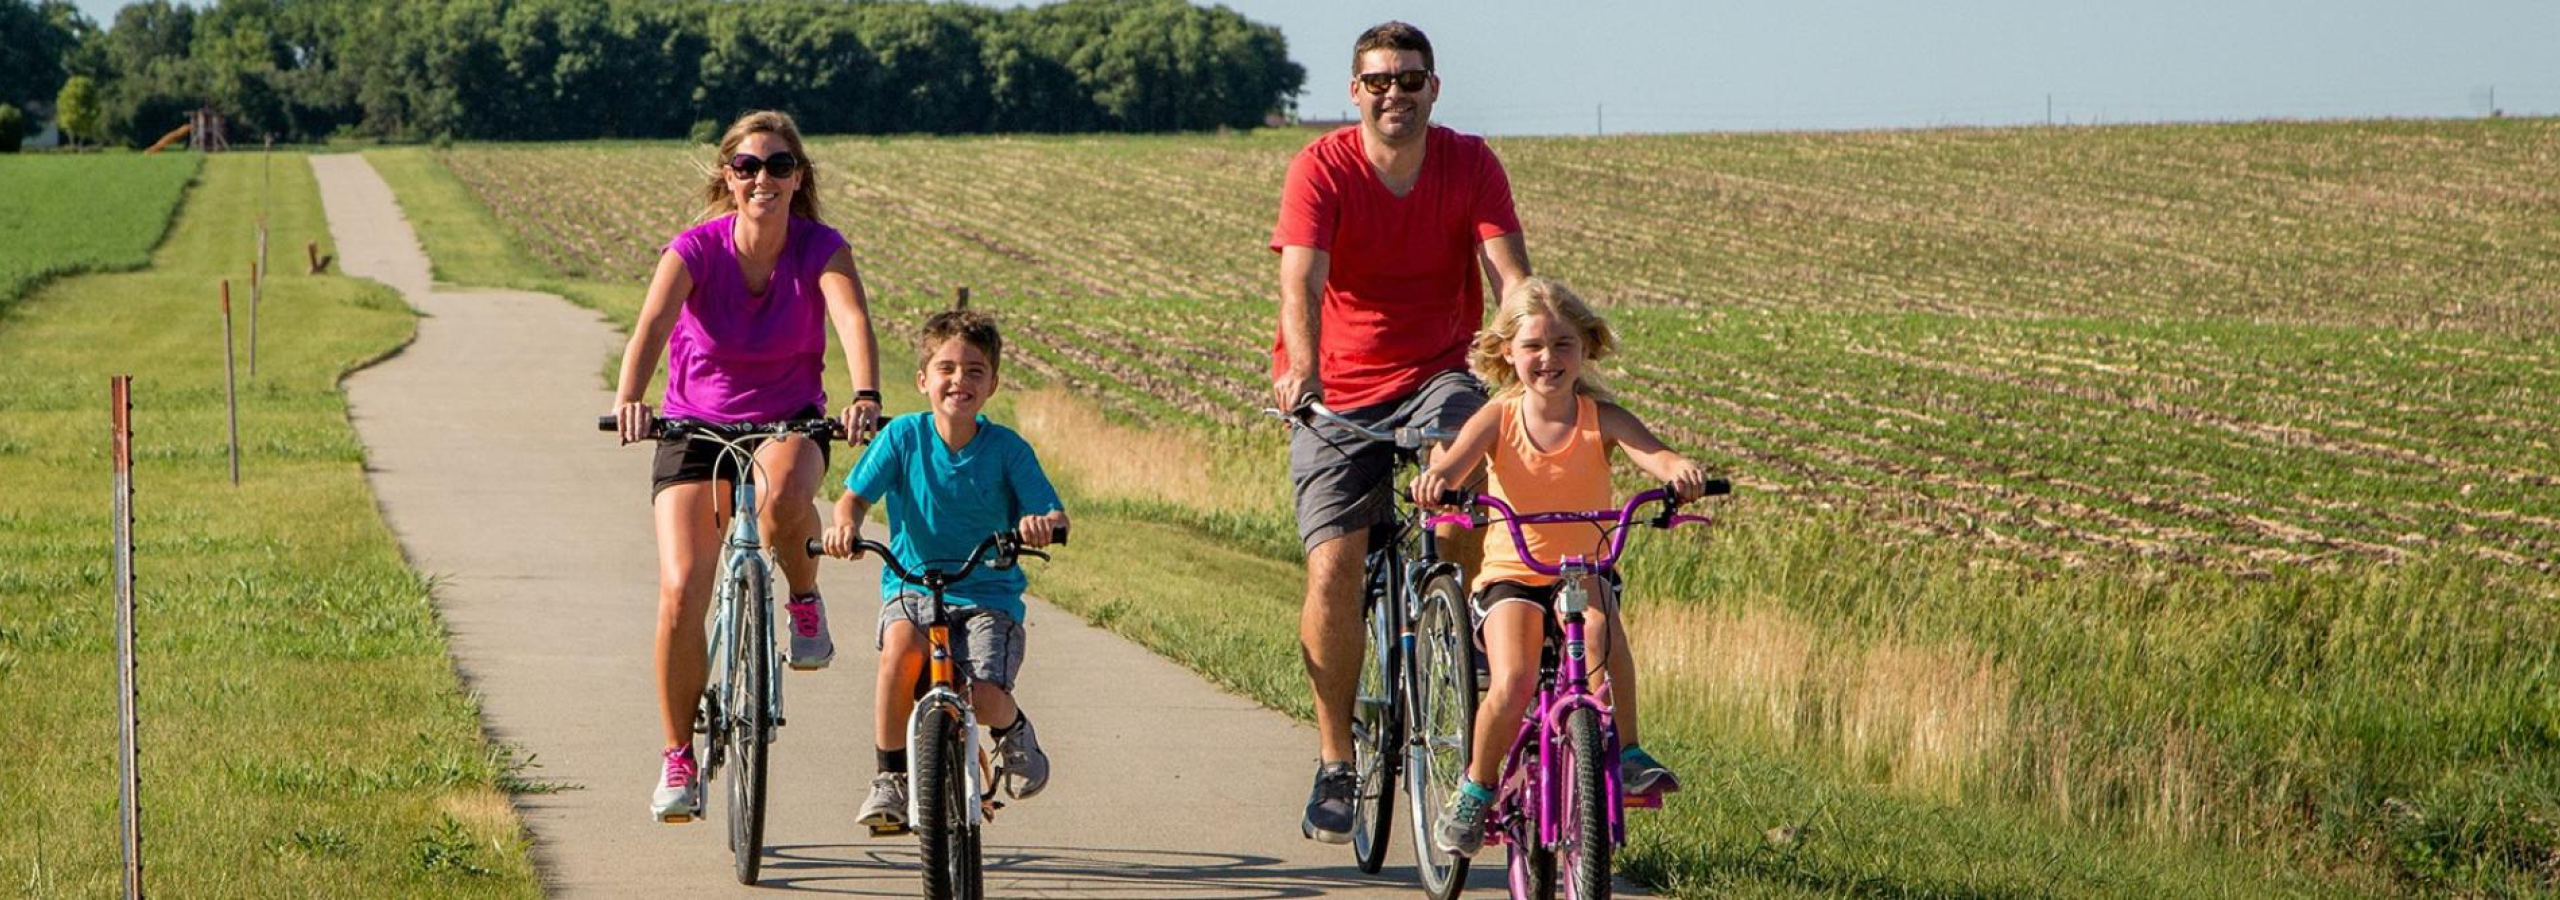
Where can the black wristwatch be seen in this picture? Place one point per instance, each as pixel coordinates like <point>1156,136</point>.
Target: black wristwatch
<point>866,394</point>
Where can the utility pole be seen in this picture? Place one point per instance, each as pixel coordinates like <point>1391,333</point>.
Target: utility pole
<point>1599,125</point>
<point>2048,110</point>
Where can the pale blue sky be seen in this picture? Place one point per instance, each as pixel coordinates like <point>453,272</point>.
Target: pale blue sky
<point>1528,67</point>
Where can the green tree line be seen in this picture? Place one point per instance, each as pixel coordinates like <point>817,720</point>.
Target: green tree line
<point>304,70</point>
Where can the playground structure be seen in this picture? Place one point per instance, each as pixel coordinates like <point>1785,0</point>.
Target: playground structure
<point>205,132</point>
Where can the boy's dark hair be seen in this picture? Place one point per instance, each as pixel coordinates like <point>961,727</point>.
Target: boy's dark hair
<point>1392,36</point>
<point>978,328</point>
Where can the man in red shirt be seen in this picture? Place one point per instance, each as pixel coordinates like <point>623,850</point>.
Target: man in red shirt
<point>1382,229</point>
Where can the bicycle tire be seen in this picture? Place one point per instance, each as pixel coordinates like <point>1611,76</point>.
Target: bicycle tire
<point>1440,709</point>
<point>1585,855</point>
<point>1377,735</point>
<point>750,729</point>
<point>940,819</point>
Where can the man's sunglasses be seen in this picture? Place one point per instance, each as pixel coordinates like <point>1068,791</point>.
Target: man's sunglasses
<point>781,164</point>
<point>1411,80</point>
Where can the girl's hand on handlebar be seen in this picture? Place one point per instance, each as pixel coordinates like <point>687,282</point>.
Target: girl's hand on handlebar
<point>1427,488</point>
<point>631,421</point>
<point>1037,531</point>
<point>843,541</point>
<point>1688,482</point>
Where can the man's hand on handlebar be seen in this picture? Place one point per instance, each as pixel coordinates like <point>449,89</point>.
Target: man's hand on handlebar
<point>1293,390</point>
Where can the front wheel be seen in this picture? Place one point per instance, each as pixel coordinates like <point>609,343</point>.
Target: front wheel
<point>1441,705</point>
<point>1532,866</point>
<point>942,816</point>
<point>750,726</point>
<point>1585,855</point>
<point>1377,737</point>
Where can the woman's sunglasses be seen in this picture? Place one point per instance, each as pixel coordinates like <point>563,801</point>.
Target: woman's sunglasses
<point>781,164</point>
<point>1411,80</point>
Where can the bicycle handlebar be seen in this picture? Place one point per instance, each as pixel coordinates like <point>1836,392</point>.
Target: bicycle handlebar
<point>1409,437</point>
<point>1007,543</point>
<point>816,429</point>
<point>1622,517</point>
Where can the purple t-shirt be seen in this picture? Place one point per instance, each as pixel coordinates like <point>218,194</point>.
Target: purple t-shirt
<point>741,357</point>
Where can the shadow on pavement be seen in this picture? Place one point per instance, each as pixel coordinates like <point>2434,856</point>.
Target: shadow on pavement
<point>864,870</point>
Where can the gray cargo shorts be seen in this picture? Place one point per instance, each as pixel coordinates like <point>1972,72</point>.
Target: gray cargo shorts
<point>1343,480</point>
<point>990,642</point>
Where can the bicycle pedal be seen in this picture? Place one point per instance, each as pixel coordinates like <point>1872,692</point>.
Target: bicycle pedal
<point>1642,801</point>
<point>881,831</point>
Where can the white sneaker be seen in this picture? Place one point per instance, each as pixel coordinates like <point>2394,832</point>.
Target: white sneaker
<point>1020,763</point>
<point>886,808</point>
<point>679,796</point>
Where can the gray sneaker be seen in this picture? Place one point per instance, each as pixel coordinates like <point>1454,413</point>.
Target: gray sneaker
<point>1329,804</point>
<point>1020,763</point>
<point>811,647</point>
<point>679,796</point>
<point>1460,829</point>
<point>886,808</point>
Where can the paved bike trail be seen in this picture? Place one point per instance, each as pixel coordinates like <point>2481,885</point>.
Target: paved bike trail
<point>481,447</point>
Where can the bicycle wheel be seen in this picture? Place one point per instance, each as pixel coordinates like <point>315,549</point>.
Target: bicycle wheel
<point>750,722</point>
<point>1377,737</point>
<point>942,822</point>
<point>1440,705</point>
<point>1585,854</point>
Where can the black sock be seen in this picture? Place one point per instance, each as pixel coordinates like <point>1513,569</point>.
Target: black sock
<point>999,733</point>
<point>892,760</point>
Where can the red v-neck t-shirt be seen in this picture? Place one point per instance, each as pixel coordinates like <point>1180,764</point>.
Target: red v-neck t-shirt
<point>1402,296</point>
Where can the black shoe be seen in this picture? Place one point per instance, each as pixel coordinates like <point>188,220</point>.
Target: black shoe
<point>1329,804</point>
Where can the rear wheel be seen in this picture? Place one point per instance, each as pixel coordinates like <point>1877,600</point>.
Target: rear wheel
<point>1585,855</point>
<point>1377,736</point>
<point>942,823</point>
<point>750,664</point>
<point>1442,709</point>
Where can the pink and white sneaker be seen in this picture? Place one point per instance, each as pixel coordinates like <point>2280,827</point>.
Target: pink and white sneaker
<point>679,796</point>
<point>811,648</point>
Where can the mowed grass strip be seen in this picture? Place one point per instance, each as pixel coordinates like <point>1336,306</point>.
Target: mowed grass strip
<point>54,228</point>
<point>303,731</point>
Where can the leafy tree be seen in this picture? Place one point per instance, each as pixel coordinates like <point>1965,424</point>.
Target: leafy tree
<point>76,108</point>
<point>33,39</point>
<point>13,128</point>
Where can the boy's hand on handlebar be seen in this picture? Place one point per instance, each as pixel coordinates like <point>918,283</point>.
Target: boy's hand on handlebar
<point>843,541</point>
<point>631,421</point>
<point>1037,531</point>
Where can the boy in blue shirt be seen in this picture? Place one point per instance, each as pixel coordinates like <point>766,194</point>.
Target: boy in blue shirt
<point>950,479</point>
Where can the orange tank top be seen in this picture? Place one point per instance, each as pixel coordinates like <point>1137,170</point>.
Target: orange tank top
<point>1569,478</point>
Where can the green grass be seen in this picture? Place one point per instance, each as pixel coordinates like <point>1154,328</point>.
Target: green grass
<point>2125,512</point>
<point>55,226</point>
<point>302,727</point>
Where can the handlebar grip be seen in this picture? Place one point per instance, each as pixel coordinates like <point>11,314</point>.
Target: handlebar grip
<point>1457,497</point>
<point>607,423</point>
<point>1718,487</point>
<point>1059,537</point>
<point>817,547</point>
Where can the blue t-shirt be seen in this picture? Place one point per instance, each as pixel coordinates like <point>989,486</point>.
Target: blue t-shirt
<point>941,503</point>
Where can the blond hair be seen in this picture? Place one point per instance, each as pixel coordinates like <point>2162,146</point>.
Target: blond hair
<point>1542,297</point>
<point>716,199</point>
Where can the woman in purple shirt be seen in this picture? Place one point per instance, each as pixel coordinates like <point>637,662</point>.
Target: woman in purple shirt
<point>741,303</point>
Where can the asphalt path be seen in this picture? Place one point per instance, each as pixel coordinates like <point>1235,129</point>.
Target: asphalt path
<point>481,445</point>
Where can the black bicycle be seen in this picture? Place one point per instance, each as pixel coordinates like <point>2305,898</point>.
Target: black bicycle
<point>951,795</point>
<point>1414,711</point>
<point>742,704</point>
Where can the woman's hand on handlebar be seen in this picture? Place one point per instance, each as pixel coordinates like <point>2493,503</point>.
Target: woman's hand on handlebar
<point>631,421</point>
<point>1039,531</point>
<point>861,419</point>
<point>842,541</point>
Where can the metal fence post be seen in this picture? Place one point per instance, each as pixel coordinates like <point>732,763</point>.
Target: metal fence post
<point>129,752</point>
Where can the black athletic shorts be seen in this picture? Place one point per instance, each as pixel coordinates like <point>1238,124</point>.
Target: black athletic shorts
<point>688,461</point>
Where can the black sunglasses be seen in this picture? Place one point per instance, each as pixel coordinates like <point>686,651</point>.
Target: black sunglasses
<point>1411,80</point>
<point>781,164</point>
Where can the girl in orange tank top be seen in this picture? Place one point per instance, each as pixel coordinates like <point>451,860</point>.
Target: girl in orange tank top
<point>1546,439</point>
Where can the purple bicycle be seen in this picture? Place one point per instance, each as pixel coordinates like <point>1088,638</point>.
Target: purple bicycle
<point>1559,800</point>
